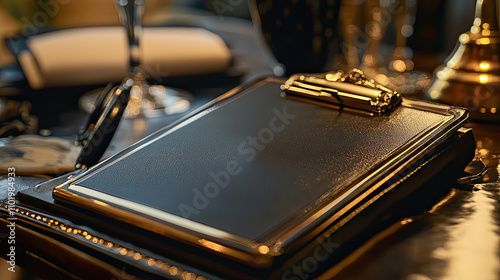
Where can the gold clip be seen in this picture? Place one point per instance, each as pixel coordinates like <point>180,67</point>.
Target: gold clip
<point>350,91</point>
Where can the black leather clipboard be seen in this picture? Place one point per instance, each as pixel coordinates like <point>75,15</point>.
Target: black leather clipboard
<point>253,177</point>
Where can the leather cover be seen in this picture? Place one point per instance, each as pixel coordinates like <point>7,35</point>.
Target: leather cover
<point>251,176</point>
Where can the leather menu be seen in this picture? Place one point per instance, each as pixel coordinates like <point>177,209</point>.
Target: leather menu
<point>251,173</point>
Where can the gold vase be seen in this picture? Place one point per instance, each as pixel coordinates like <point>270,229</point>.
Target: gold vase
<point>470,77</point>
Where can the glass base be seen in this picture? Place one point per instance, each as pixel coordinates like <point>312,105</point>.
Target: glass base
<point>159,101</point>
<point>407,83</point>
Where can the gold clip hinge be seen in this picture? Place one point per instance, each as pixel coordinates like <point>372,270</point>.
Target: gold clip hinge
<point>351,92</point>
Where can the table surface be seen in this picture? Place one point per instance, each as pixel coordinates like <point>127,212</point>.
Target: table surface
<point>459,238</point>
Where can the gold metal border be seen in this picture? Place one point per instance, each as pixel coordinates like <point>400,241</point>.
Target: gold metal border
<point>125,252</point>
<point>190,232</point>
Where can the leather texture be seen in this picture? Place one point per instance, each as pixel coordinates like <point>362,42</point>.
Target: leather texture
<point>290,156</point>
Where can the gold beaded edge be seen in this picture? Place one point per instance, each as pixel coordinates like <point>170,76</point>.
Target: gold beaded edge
<point>172,270</point>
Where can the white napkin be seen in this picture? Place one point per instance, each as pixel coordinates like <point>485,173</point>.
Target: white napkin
<point>34,154</point>
<point>98,55</point>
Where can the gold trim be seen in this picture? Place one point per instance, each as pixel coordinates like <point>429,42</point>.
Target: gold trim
<point>189,232</point>
<point>155,213</point>
<point>123,251</point>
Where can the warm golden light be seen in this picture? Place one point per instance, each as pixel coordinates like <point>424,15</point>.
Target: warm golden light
<point>484,66</point>
<point>100,203</point>
<point>211,245</point>
<point>406,221</point>
<point>114,112</point>
<point>328,76</point>
<point>263,249</point>
<point>123,251</point>
<point>483,79</point>
<point>399,65</point>
<point>173,270</point>
<point>483,41</point>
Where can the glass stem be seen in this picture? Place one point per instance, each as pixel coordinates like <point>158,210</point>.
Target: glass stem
<point>130,12</point>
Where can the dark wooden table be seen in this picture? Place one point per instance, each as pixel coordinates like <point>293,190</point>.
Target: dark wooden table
<point>459,238</point>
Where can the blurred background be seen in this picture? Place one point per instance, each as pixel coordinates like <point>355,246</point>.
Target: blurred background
<point>437,23</point>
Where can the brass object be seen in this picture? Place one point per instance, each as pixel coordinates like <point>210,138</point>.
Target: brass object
<point>470,77</point>
<point>351,92</point>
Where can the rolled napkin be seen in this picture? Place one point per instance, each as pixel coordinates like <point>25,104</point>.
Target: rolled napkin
<point>97,55</point>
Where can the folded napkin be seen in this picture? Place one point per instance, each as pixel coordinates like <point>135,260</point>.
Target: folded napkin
<point>34,154</point>
<point>98,55</point>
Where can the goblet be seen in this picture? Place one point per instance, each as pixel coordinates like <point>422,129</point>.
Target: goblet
<point>146,99</point>
<point>400,74</point>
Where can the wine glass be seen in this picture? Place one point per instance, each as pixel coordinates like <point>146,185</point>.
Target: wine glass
<point>400,75</point>
<point>146,99</point>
